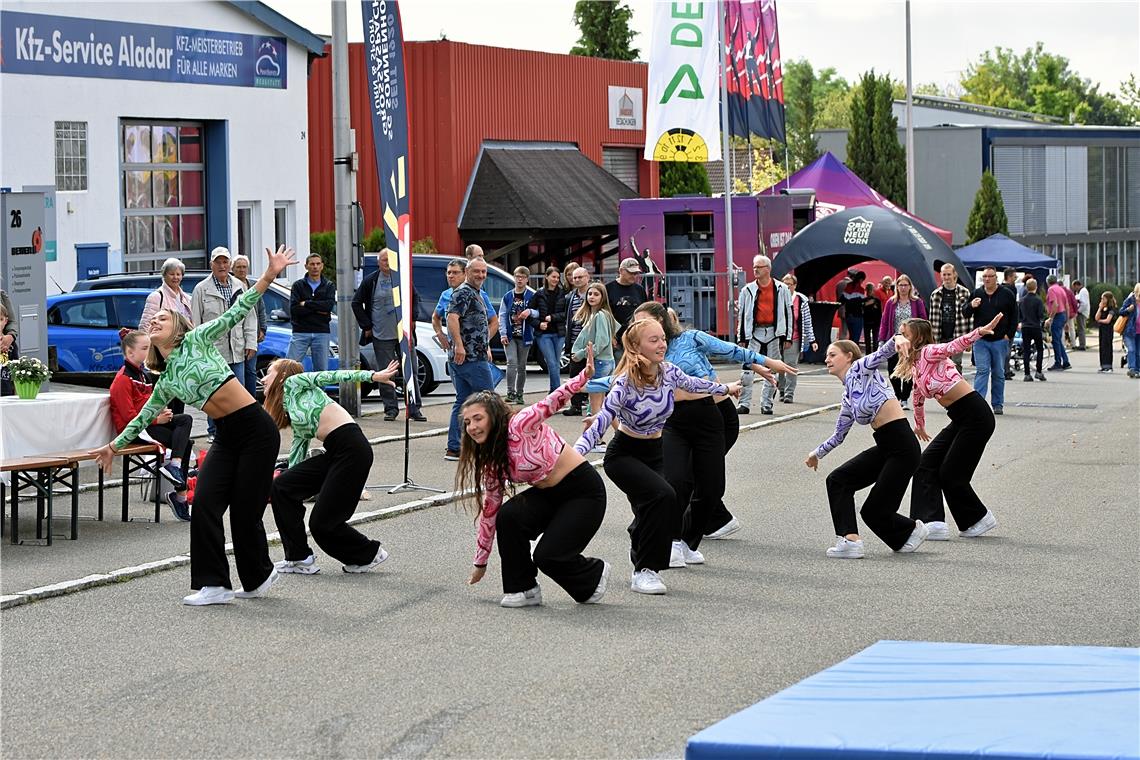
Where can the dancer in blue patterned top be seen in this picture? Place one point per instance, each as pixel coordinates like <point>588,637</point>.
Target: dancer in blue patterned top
<point>641,399</point>
<point>694,440</point>
<point>239,468</point>
<point>887,466</point>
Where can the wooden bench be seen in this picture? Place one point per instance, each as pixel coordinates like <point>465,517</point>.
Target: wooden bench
<point>37,473</point>
<point>62,468</point>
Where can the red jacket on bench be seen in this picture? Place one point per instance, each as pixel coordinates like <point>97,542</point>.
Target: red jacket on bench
<point>129,391</point>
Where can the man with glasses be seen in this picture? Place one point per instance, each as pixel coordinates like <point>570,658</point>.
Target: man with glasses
<point>991,350</point>
<point>764,313</point>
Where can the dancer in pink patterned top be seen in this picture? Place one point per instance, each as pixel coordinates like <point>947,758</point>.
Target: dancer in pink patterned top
<point>501,449</point>
<point>949,461</point>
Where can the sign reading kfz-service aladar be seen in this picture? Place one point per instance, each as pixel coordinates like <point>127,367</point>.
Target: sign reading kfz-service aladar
<point>684,94</point>
<point>33,43</point>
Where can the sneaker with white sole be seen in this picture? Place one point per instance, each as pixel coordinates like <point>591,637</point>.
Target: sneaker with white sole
<point>725,530</point>
<point>646,581</point>
<point>917,536</point>
<point>937,531</point>
<point>381,555</point>
<point>306,566</point>
<point>600,591</point>
<point>261,590</point>
<point>173,475</point>
<point>692,556</point>
<point>677,555</point>
<point>986,524</point>
<point>845,549</point>
<point>600,448</point>
<point>209,595</point>
<point>531,598</point>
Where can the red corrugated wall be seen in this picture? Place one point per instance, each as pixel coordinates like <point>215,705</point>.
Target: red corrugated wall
<point>461,95</point>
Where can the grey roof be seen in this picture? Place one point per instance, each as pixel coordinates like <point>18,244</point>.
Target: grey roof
<point>738,163</point>
<point>540,189</point>
<point>282,25</point>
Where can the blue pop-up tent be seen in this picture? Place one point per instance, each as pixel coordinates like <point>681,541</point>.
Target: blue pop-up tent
<point>999,251</point>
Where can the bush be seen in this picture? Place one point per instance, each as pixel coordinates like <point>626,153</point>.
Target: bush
<point>424,245</point>
<point>375,240</point>
<point>1097,288</point>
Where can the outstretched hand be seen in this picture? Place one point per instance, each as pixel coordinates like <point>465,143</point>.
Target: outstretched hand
<point>902,343</point>
<point>921,434</point>
<point>812,461</point>
<point>775,365</point>
<point>276,262</point>
<point>387,374</point>
<point>989,329</point>
<point>765,373</point>
<point>734,389</point>
<point>105,457</point>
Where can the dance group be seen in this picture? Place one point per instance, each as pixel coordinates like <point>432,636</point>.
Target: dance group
<point>674,424</point>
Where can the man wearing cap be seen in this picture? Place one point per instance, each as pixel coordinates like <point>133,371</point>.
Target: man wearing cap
<point>210,299</point>
<point>626,294</point>
<point>311,302</point>
<point>764,312</point>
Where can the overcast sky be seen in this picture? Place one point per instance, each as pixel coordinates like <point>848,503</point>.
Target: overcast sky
<point>1101,39</point>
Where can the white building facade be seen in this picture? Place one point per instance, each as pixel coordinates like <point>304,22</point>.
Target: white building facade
<point>165,129</point>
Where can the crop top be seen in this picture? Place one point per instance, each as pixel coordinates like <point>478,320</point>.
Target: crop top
<point>194,370</point>
<point>532,451</point>
<point>304,400</point>
<point>691,349</point>
<point>864,393</point>
<point>935,374</point>
<point>644,411</point>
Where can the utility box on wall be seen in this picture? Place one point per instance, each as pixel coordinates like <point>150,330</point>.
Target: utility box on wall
<point>91,260</point>
<point>24,268</point>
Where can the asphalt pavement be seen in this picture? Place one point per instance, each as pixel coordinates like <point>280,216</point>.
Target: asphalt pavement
<point>408,661</point>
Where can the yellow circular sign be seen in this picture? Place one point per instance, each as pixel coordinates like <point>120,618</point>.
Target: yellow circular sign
<point>681,145</point>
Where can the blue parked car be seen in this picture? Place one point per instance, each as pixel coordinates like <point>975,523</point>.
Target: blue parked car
<point>83,330</point>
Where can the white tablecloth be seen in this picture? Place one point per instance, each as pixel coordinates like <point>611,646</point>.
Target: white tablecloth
<point>54,421</point>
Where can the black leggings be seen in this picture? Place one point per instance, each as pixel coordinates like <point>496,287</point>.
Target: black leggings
<point>949,463</point>
<point>887,467</point>
<point>719,516</point>
<point>1030,337</point>
<point>567,516</point>
<point>175,436</point>
<point>237,473</point>
<point>693,446</point>
<point>902,387</point>
<point>636,466</point>
<point>336,478</point>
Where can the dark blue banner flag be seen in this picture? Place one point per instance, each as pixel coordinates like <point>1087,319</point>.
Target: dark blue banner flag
<point>755,73</point>
<point>388,98</point>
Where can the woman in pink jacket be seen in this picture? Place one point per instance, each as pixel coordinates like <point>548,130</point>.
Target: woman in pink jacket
<point>565,504</point>
<point>169,295</point>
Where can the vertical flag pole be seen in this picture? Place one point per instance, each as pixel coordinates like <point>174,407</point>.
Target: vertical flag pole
<point>724,132</point>
<point>909,122</point>
<point>346,331</point>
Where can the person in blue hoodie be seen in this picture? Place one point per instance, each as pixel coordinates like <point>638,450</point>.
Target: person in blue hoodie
<point>517,320</point>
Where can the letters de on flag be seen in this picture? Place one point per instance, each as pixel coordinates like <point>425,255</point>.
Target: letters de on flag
<point>683,102</point>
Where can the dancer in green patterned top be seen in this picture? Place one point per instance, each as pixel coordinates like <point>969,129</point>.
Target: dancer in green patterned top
<point>239,469</point>
<point>296,399</point>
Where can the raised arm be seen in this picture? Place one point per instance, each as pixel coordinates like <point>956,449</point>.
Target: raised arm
<point>215,329</point>
<point>330,377</point>
<point>880,357</point>
<point>535,414</point>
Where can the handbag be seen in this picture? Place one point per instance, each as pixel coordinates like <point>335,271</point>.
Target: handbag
<point>1118,328</point>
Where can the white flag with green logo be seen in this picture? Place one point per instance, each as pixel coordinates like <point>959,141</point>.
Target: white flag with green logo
<point>683,102</point>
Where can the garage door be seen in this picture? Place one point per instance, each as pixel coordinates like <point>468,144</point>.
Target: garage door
<point>622,163</point>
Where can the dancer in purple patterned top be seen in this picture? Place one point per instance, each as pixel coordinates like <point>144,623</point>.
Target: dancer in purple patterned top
<point>887,466</point>
<point>641,399</point>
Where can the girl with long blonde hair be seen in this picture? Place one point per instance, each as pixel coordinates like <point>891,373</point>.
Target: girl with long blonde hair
<point>598,329</point>
<point>641,400</point>
<point>949,461</point>
<point>295,398</point>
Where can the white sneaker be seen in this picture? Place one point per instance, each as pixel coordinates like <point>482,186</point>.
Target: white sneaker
<point>937,531</point>
<point>381,555</point>
<point>599,449</point>
<point>692,556</point>
<point>531,598</point>
<point>306,566</point>
<point>726,530</point>
<point>986,524</point>
<point>677,555</point>
<point>845,549</point>
<point>646,581</point>
<point>209,595</point>
<point>600,591</point>
<point>261,590</point>
<point>917,536</point>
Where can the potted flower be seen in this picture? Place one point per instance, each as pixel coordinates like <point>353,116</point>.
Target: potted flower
<point>28,373</point>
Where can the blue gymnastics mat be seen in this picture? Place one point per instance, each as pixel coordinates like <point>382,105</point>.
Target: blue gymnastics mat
<point>913,699</point>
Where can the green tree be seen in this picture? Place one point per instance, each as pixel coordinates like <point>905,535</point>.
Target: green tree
<point>873,149</point>
<point>1040,82</point>
<point>987,217</point>
<point>683,178</point>
<point>799,105</point>
<point>605,31</point>
<point>766,167</point>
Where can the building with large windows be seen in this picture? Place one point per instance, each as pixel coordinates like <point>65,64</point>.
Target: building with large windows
<point>1072,192</point>
<point>157,129</point>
